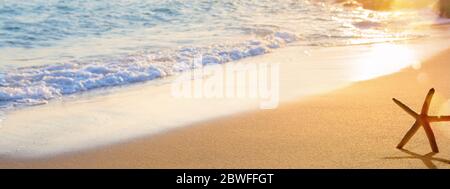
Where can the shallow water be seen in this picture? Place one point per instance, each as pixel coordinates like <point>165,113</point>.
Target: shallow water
<point>49,49</point>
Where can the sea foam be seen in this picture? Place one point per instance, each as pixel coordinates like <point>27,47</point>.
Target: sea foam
<point>39,84</point>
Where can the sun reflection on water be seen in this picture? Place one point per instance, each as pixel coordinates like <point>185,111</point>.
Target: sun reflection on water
<point>383,59</point>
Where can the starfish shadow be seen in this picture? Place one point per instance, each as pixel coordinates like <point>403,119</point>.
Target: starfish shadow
<point>427,159</point>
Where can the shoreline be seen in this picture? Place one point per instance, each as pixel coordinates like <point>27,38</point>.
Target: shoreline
<point>354,127</point>
<point>95,121</point>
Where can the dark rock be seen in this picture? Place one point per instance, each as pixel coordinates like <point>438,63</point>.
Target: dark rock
<point>444,8</point>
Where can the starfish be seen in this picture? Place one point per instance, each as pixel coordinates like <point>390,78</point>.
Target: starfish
<point>422,119</point>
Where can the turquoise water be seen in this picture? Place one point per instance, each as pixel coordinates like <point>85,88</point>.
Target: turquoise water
<point>52,48</point>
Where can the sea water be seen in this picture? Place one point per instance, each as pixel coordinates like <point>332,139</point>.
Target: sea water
<point>53,48</point>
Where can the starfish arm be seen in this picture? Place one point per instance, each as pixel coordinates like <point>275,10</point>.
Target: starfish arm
<point>426,104</point>
<point>430,135</point>
<point>406,108</point>
<point>409,134</point>
<point>439,118</point>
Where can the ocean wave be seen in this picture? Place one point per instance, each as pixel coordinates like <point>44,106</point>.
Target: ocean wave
<point>87,45</point>
<point>38,84</point>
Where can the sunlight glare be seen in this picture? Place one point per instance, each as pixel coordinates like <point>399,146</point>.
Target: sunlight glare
<point>384,59</point>
<point>444,127</point>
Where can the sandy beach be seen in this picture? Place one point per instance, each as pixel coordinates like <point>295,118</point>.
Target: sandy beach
<point>353,127</point>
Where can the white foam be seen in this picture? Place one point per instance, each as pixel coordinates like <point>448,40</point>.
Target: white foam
<point>38,84</point>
